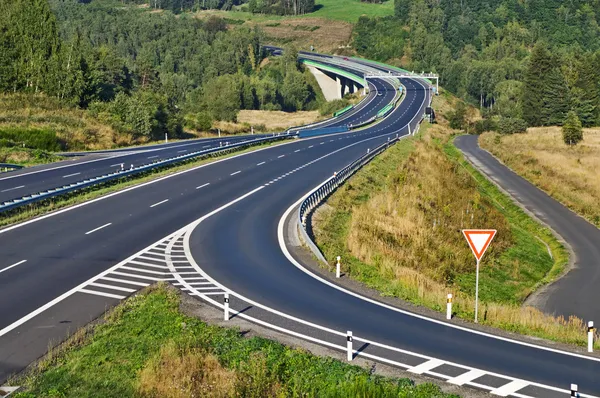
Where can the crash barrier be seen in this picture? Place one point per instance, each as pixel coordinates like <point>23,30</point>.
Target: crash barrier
<point>342,111</point>
<point>76,186</point>
<point>322,192</point>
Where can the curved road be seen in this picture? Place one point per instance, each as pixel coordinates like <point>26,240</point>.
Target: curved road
<point>576,293</point>
<point>45,262</point>
<point>23,182</point>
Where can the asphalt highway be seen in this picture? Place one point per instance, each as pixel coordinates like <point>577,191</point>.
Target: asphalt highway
<point>32,180</point>
<point>48,267</point>
<point>42,260</point>
<point>576,293</point>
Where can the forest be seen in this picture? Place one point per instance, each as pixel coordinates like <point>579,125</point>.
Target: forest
<point>144,72</point>
<point>520,61</point>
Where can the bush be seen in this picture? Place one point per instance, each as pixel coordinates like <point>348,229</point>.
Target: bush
<point>481,126</point>
<point>44,139</point>
<point>509,125</point>
<point>328,108</point>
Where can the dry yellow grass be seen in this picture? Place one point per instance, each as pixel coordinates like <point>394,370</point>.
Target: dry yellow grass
<point>325,35</point>
<point>75,126</point>
<point>569,174</point>
<point>400,234</point>
<point>273,120</point>
<point>179,373</point>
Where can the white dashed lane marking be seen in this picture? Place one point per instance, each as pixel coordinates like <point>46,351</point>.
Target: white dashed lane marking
<point>12,189</point>
<point>160,203</point>
<point>98,229</point>
<point>204,185</point>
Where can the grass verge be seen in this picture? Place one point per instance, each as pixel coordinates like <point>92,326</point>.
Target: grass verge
<point>40,208</point>
<point>146,347</point>
<point>397,224</point>
<point>569,174</point>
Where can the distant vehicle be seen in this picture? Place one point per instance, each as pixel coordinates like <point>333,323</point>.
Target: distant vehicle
<point>345,58</point>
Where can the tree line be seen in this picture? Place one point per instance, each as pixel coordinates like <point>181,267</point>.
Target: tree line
<point>142,72</point>
<point>521,62</point>
<point>276,7</point>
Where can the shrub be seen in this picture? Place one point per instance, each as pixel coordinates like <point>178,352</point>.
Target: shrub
<point>44,139</point>
<point>328,108</point>
<point>509,125</point>
<point>481,126</point>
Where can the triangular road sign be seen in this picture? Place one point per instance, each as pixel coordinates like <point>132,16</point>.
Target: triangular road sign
<point>479,240</point>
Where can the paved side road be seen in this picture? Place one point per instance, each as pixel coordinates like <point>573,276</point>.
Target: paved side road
<point>578,292</point>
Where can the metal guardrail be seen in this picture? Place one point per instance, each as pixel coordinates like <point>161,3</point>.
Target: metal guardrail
<point>321,193</point>
<point>50,193</point>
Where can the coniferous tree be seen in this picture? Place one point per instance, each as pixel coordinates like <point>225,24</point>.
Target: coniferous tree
<point>555,98</point>
<point>540,64</point>
<point>572,131</point>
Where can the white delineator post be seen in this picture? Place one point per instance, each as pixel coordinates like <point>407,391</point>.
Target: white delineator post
<point>166,138</point>
<point>449,306</point>
<point>349,345</point>
<point>591,336</point>
<point>574,389</point>
<point>338,267</point>
<point>226,307</point>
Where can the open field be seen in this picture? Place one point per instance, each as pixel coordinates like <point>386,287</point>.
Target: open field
<point>269,120</point>
<point>146,347</point>
<point>571,175</point>
<point>340,10</point>
<point>397,224</point>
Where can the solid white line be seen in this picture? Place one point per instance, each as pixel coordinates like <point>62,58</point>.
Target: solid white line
<point>466,377</point>
<point>123,289</point>
<point>237,172</point>
<point>261,163</point>
<point>12,189</point>
<point>510,388</point>
<point>142,270</point>
<point>279,157</point>
<point>149,278</point>
<point>71,175</point>
<point>125,281</point>
<point>11,266</point>
<point>202,186</point>
<point>102,294</point>
<point>97,229</point>
<point>148,265</point>
<point>161,260</point>
<point>160,203</point>
<point>63,296</point>
<point>426,366</point>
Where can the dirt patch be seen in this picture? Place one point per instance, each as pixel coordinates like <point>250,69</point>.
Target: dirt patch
<point>325,35</point>
<point>277,119</point>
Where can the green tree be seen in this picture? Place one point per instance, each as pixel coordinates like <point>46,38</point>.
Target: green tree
<point>572,130</point>
<point>458,118</point>
<point>555,98</point>
<point>540,64</point>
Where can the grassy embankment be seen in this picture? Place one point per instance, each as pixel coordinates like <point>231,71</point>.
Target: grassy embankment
<point>569,174</point>
<point>146,347</point>
<point>69,128</point>
<point>397,226</point>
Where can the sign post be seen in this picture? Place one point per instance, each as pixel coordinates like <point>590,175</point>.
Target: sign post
<point>478,240</point>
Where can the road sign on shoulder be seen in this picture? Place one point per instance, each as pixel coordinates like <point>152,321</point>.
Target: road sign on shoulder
<point>479,240</point>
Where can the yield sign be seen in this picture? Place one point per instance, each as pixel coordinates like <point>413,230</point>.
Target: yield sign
<point>479,240</point>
